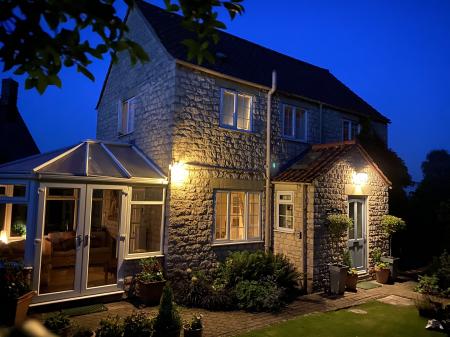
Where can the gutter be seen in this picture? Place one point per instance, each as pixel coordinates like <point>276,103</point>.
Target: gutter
<point>267,229</point>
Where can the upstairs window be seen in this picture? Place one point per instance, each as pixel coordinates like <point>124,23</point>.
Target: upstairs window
<point>285,211</point>
<point>294,123</point>
<point>350,129</point>
<point>127,110</point>
<point>236,110</point>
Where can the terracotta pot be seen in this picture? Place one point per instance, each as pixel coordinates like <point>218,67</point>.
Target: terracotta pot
<point>193,333</point>
<point>393,265</point>
<point>352,280</point>
<point>150,293</point>
<point>14,312</point>
<point>382,275</point>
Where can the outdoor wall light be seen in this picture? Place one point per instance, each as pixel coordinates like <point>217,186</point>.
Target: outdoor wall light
<point>178,172</point>
<point>360,178</point>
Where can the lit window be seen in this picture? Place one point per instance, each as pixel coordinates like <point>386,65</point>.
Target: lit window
<point>237,216</point>
<point>294,121</point>
<point>350,130</point>
<point>285,210</point>
<point>236,111</point>
<point>127,110</point>
<point>147,209</point>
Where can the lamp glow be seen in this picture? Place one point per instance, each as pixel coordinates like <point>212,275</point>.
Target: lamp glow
<point>360,178</point>
<point>179,172</point>
<point>3,237</point>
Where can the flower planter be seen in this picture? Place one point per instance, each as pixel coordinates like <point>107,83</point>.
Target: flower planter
<point>382,275</point>
<point>352,280</point>
<point>338,277</point>
<point>150,293</point>
<point>193,333</point>
<point>14,311</point>
<point>393,265</point>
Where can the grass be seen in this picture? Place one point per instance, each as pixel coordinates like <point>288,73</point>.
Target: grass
<point>381,320</point>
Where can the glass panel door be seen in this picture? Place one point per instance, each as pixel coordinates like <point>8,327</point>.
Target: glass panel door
<point>356,235</point>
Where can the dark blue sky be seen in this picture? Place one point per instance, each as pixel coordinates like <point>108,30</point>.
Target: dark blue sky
<point>394,54</point>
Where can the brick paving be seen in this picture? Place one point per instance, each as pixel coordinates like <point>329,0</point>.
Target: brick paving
<point>231,323</point>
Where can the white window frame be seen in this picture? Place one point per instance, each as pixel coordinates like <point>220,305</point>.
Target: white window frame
<point>277,210</point>
<point>131,256</point>
<point>350,124</point>
<point>130,118</point>
<point>294,116</point>
<point>9,201</point>
<point>246,218</point>
<point>235,112</point>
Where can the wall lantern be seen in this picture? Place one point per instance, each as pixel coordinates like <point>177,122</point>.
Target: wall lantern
<point>178,173</point>
<point>360,178</point>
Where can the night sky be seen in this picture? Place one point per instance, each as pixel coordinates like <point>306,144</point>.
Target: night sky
<point>394,54</point>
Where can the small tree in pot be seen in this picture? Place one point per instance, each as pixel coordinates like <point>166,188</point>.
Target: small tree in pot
<point>168,322</point>
<point>194,327</point>
<point>391,224</point>
<point>150,281</point>
<point>338,225</point>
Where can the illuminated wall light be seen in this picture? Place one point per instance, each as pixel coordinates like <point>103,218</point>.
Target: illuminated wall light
<point>360,178</point>
<point>178,173</point>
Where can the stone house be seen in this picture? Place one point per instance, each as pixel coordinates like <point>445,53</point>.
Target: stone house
<point>182,171</point>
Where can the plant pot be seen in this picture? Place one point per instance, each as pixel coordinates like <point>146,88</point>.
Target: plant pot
<point>352,280</point>
<point>382,275</point>
<point>193,333</point>
<point>338,277</point>
<point>14,311</point>
<point>150,293</point>
<point>393,265</point>
<point>170,333</point>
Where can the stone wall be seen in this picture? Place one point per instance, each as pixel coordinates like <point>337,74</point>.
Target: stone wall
<point>330,196</point>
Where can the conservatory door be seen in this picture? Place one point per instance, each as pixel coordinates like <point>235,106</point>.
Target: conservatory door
<point>357,233</point>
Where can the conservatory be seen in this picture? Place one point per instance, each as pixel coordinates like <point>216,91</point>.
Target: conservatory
<point>77,215</point>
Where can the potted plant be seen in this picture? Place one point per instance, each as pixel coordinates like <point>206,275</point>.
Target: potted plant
<point>150,281</point>
<point>391,224</point>
<point>352,273</point>
<point>110,326</point>
<point>382,272</point>
<point>168,321</point>
<point>15,293</point>
<point>194,328</point>
<point>337,224</point>
<point>58,323</point>
<point>137,324</point>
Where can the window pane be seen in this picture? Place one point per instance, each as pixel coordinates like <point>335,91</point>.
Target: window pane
<point>243,112</point>
<point>147,194</point>
<point>12,190</point>
<point>220,231</point>
<point>285,197</point>
<point>359,224</point>
<point>145,228</point>
<point>13,219</point>
<point>63,192</point>
<point>287,119</point>
<point>2,190</point>
<point>237,200</point>
<point>18,220</point>
<point>226,116</point>
<point>286,215</point>
<point>346,130</point>
<point>300,124</point>
<point>351,214</point>
<point>254,210</point>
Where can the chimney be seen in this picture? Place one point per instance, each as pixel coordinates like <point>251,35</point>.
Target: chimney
<point>9,92</point>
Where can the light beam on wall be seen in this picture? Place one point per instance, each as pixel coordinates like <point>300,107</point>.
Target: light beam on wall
<point>178,173</point>
<point>360,178</point>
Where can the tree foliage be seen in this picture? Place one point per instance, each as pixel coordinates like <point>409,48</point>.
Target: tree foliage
<point>39,38</point>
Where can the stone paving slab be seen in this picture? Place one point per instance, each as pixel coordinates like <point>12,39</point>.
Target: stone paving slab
<point>232,323</point>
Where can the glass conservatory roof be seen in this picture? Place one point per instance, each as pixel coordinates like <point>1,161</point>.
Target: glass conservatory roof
<point>90,158</point>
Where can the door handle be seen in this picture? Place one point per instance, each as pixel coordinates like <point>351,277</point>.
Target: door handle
<point>78,240</point>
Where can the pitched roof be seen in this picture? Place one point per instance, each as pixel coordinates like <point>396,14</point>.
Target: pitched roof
<point>319,159</point>
<point>248,61</point>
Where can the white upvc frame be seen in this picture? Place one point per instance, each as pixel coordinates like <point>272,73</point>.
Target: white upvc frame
<point>127,226</point>
<point>245,215</point>
<point>235,112</point>
<point>294,117</point>
<point>279,202</point>
<point>130,116</point>
<point>350,123</point>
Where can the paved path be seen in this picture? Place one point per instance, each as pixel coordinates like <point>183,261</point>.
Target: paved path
<point>231,323</point>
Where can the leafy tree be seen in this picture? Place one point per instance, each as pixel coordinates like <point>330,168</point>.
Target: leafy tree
<point>40,37</point>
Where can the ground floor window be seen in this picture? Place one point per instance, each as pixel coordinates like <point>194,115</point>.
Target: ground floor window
<point>284,209</point>
<point>237,216</point>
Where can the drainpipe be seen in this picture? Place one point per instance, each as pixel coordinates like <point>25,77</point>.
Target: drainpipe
<point>267,238</point>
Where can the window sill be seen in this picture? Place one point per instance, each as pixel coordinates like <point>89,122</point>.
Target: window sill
<point>284,230</point>
<point>232,243</point>
<point>142,256</point>
<point>230,128</point>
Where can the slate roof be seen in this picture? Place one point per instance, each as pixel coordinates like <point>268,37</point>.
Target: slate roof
<point>254,63</point>
<point>318,160</point>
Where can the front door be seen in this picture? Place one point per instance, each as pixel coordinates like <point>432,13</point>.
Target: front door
<point>79,235</point>
<point>357,233</point>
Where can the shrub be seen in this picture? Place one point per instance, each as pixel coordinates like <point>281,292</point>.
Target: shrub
<point>137,324</point>
<point>392,224</point>
<point>428,284</point>
<point>57,322</point>
<point>168,319</point>
<point>82,331</point>
<point>259,296</point>
<point>338,224</point>
<point>196,323</point>
<point>428,308</point>
<point>438,281</point>
<point>110,327</point>
<point>151,270</point>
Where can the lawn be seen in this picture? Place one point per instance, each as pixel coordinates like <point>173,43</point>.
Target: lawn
<point>380,320</point>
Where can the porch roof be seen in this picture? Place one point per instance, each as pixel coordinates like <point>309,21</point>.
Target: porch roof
<point>319,159</point>
<point>90,159</point>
